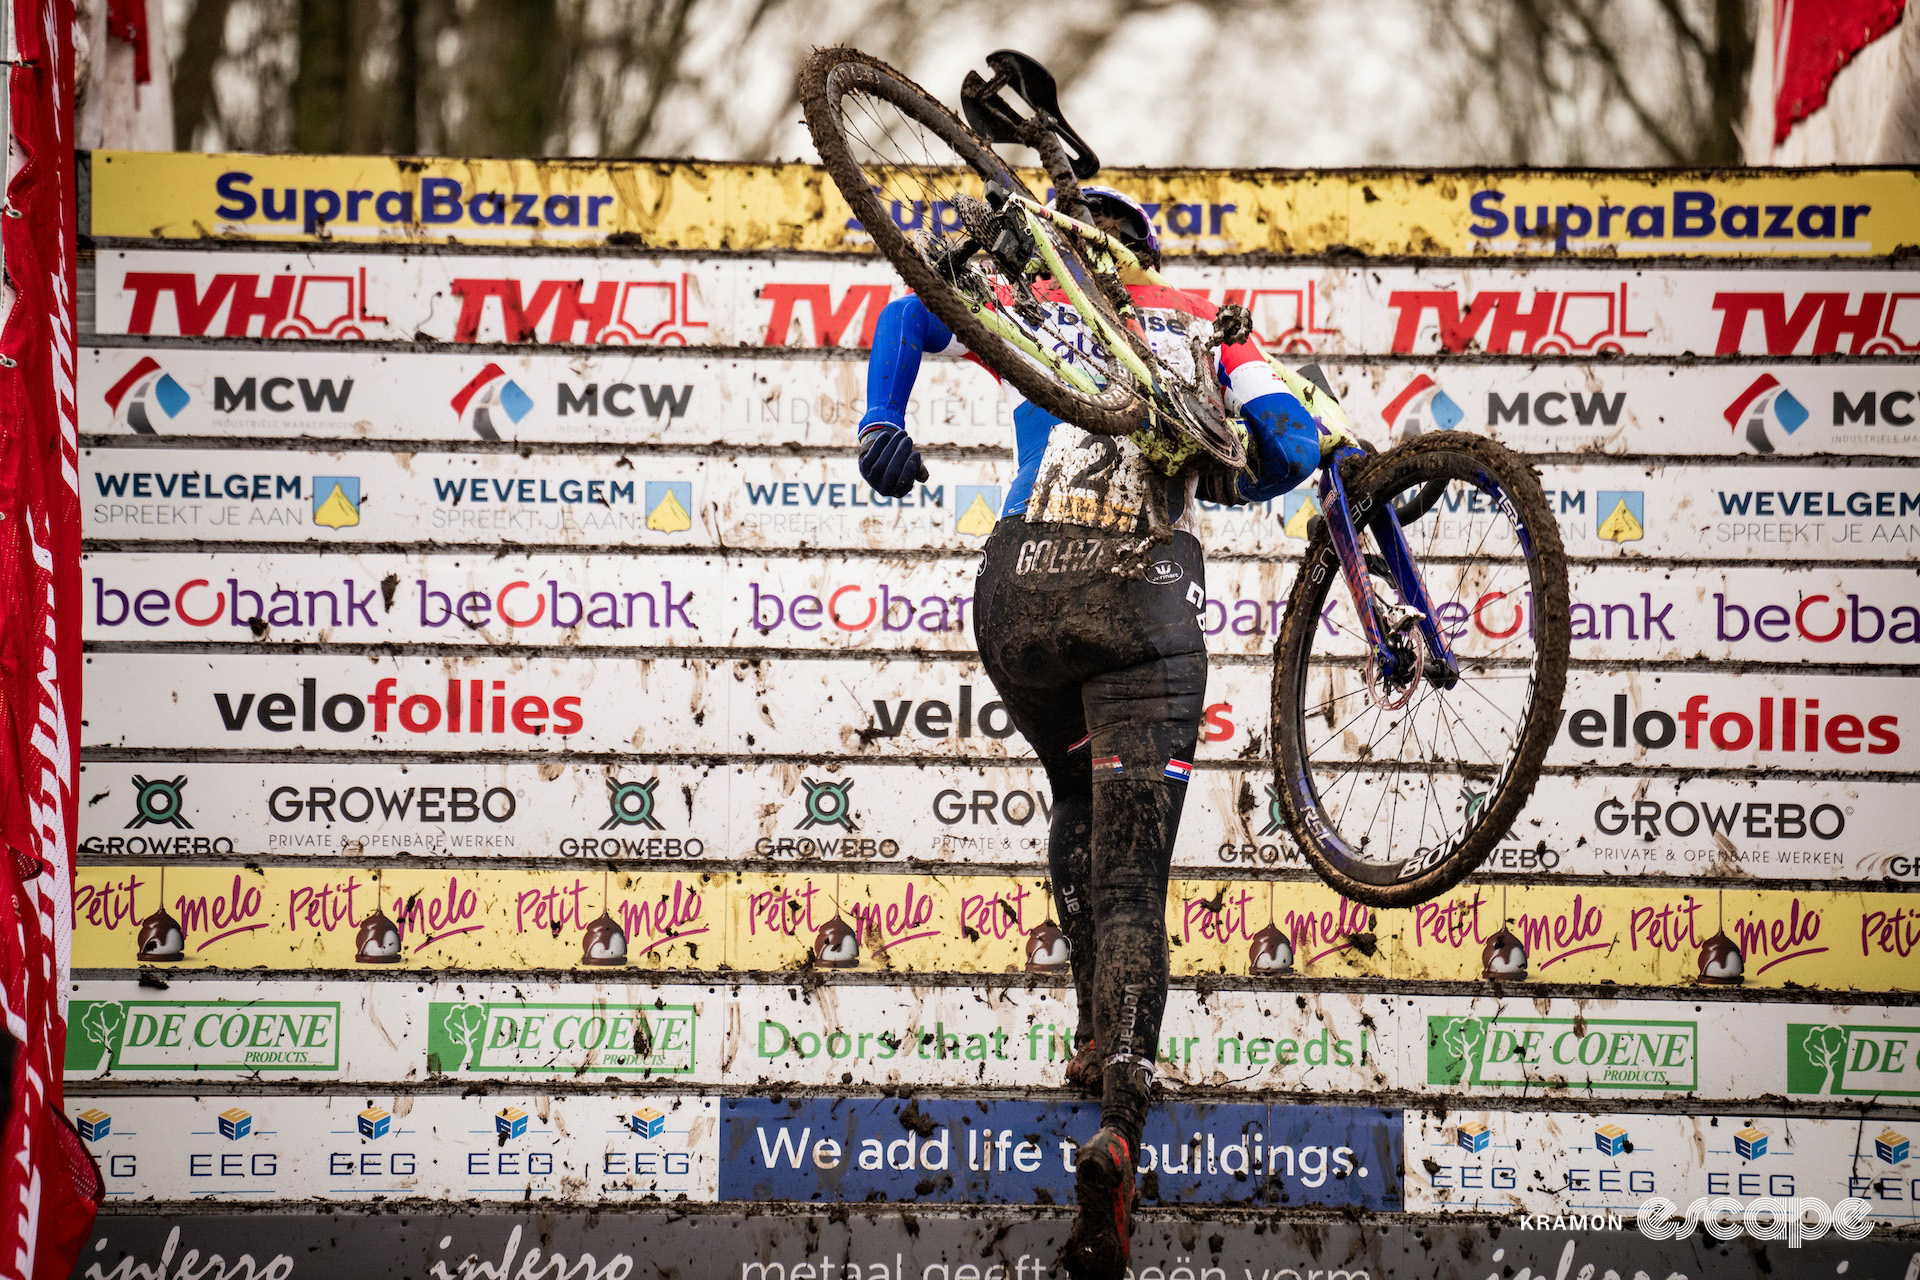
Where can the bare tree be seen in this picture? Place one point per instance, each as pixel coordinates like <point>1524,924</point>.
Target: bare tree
<point>201,46</point>
<point>1600,81</point>
<point>1251,82</point>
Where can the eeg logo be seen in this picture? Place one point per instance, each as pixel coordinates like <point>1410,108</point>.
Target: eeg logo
<point>1750,1143</point>
<point>510,1122</point>
<point>647,1122</point>
<point>94,1124</point>
<point>375,1123</point>
<point>491,391</point>
<point>235,1123</point>
<point>1473,1136</point>
<point>1765,400</point>
<point>1891,1147</point>
<point>129,397</point>
<point>1420,406</point>
<point>1611,1140</point>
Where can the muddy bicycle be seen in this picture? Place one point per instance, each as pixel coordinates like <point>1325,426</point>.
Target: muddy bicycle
<point>1413,707</point>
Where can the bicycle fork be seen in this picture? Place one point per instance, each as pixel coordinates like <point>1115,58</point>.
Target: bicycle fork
<point>1394,661</point>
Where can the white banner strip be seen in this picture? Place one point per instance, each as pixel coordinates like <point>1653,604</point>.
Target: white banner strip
<point>774,1037</point>
<point>623,397</point>
<point>1552,1165</point>
<point>1620,611</point>
<point>499,1147</point>
<point>687,501</point>
<point>1793,827</point>
<point>874,708</point>
<point>825,302</point>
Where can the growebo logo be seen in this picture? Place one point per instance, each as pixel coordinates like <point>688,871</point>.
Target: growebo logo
<point>1774,725</point>
<point>469,706</point>
<point>633,811</point>
<point>1744,816</point>
<point>356,805</point>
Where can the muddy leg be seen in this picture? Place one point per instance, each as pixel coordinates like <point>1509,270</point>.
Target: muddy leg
<point>1144,721</point>
<point>1134,826</point>
<point>1070,862</point>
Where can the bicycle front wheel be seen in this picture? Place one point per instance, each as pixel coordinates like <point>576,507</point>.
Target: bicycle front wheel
<point>1395,804</point>
<point>914,174</point>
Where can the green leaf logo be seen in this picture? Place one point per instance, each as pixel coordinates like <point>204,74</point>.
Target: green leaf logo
<point>93,1034</point>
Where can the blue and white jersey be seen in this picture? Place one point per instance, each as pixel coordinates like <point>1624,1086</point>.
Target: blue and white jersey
<point>1070,476</point>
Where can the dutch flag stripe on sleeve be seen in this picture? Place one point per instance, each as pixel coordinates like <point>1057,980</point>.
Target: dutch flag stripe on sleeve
<point>1246,373</point>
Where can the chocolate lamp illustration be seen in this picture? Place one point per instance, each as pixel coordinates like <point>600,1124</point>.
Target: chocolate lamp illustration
<point>1504,957</point>
<point>836,946</point>
<point>1269,952</point>
<point>605,942</point>
<point>377,941</point>
<point>1048,950</point>
<point>161,939</point>
<point>1721,964</point>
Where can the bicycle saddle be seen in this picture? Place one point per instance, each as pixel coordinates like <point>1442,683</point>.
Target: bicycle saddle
<point>993,116</point>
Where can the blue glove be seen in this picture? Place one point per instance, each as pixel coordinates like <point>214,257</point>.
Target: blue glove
<point>889,461</point>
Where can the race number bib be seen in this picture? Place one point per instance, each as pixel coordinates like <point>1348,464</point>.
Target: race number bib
<point>1099,481</point>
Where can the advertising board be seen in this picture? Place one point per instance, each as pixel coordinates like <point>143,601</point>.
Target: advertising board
<point>930,814</point>
<point>709,205</point>
<point>1014,1151</point>
<point>882,1243</point>
<point>252,1148</point>
<point>677,400</point>
<point>750,502</point>
<point>1229,1043</point>
<point>814,708</point>
<point>349,919</point>
<point>715,301</point>
<point>1552,1164</point>
<point>1620,610</point>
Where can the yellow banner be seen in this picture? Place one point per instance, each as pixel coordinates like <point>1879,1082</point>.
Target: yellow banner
<point>341,918</point>
<point>695,206</point>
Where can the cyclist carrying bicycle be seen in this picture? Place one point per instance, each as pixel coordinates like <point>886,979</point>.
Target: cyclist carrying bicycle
<point>1087,618</point>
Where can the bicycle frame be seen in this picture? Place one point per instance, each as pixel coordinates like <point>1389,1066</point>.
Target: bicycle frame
<point>1385,524</point>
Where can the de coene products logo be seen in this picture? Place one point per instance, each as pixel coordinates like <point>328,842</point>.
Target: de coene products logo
<point>472,707</point>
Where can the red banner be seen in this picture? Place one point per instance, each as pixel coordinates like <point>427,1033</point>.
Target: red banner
<point>1812,43</point>
<point>49,1186</point>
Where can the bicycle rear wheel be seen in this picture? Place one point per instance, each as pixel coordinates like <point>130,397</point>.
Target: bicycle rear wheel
<point>1395,805</point>
<point>914,174</point>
